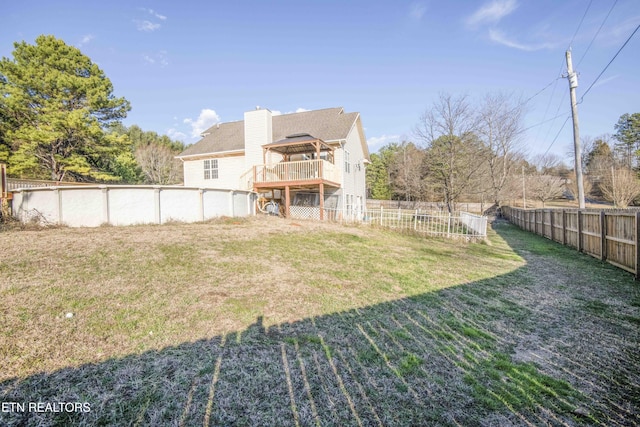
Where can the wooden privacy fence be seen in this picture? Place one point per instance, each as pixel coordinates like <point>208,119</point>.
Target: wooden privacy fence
<point>610,235</point>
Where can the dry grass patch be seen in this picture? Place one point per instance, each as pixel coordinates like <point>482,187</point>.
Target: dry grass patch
<point>269,322</point>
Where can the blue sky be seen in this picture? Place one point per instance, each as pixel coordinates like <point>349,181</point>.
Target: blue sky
<point>185,65</point>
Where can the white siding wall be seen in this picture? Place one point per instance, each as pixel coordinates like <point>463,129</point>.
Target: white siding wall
<point>258,131</point>
<point>354,183</point>
<point>229,171</point>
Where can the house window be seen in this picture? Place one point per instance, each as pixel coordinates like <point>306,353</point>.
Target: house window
<point>347,164</point>
<point>211,169</point>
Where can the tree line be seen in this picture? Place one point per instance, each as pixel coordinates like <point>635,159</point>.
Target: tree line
<point>60,120</point>
<point>464,152</point>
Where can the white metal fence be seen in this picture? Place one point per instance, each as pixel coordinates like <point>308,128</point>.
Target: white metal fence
<point>432,223</point>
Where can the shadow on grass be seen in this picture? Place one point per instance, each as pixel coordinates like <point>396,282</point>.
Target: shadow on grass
<point>555,342</point>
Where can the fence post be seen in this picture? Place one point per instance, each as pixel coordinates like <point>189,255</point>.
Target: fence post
<point>157,207</point>
<point>551,214</point>
<point>564,227</point>
<point>232,213</point>
<point>415,221</point>
<point>603,236</point>
<point>637,239</point>
<point>579,230</point>
<point>201,203</point>
<point>105,205</point>
<point>532,228</point>
<point>59,205</point>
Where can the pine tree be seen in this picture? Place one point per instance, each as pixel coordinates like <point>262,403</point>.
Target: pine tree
<point>58,106</point>
<point>628,136</point>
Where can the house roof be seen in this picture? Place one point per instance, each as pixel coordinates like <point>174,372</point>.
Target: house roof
<point>330,124</point>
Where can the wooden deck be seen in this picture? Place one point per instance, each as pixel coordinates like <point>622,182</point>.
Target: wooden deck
<point>287,176</point>
<point>300,174</point>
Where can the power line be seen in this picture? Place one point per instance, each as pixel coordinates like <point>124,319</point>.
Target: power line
<point>560,72</point>
<point>553,92</point>
<point>580,24</point>
<point>540,123</point>
<point>597,32</point>
<point>541,90</point>
<point>533,96</point>
<point>605,68</point>
<point>557,135</point>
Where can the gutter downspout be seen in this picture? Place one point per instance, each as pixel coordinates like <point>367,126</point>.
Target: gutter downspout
<point>343,142</point>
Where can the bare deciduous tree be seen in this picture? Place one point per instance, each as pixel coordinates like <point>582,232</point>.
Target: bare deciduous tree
<point>500,127</point>
<point>158,164</point>
<point>572,185</point>
<point>406,171</point>
<point>545,187</point>
<point>454,153</point>
<point>549,164</point>
<point>620,186</point>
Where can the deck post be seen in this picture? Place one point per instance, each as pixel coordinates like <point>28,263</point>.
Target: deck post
<point>286,202</point>
<point>321,201</point>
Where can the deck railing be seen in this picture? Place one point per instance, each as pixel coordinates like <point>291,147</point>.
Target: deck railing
<point>305,170</point>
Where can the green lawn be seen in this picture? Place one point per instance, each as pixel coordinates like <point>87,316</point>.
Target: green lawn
<point>272,322</point>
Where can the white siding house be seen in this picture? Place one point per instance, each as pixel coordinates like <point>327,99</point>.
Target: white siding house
<point>314,158</point>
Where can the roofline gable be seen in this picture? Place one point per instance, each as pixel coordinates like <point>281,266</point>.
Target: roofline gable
<point>329,124</point>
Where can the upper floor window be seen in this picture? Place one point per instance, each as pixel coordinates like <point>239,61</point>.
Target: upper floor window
<point>347,162</point>
<point>211,169</point>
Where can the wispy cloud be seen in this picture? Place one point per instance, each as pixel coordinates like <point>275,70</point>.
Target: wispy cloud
<point>176,134</point>
<point>377,142</point>
<point>205,120</point>
<point>619,32</point>
<point>150,24</point>
<point>146,26</point>
<point>417,11</point>
<point>155,14</point>
<point>160,58</point>
<point>605,81</point>
<point>85,39</point>
<point>491,13</point>
<point>278,112</point>
<point>501,38</point>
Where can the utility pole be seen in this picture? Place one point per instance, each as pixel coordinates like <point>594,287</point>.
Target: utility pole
<point>573,84</point>
<point>524,198</point>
